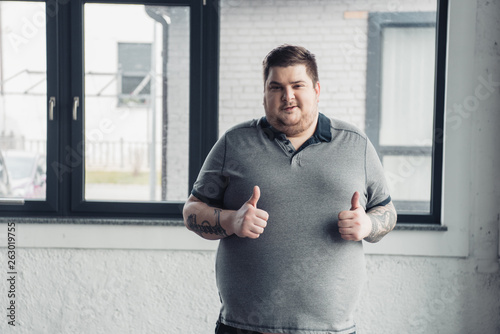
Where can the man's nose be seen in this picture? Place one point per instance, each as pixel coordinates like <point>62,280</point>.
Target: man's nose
<point>288,94</point>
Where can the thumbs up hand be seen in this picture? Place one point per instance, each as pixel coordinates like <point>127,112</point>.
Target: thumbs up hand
<point>250,221</point>
<point>354,224</point>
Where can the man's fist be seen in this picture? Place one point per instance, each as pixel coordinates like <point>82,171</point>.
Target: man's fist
<point>249,221</point>
<point>354,224</point>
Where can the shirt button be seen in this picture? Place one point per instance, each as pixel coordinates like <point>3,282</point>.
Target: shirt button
<point>290,151</point>
<point>287,142</point>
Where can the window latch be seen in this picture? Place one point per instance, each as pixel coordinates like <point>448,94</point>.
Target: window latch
<point>52,104</point>
<point>76,103</point>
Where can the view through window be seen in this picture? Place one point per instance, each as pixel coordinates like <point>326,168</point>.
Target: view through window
<point>136,102</point>
<point>23,96</point>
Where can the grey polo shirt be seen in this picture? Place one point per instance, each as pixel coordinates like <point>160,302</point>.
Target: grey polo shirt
<point>299,276</point>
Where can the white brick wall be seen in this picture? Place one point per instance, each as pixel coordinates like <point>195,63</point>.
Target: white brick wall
<point>250,29</point>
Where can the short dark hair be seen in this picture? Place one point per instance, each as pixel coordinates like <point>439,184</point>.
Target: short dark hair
<point>290,55</point>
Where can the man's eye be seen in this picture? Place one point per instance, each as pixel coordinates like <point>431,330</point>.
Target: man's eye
<point>275,87</point>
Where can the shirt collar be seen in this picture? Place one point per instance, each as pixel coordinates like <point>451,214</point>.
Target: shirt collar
<point>321,134</point>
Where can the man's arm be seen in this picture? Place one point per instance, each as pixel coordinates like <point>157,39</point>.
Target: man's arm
<point>203,219</point>
<point>356,224</point>
<point>383,220</point>
<point>214,223</point>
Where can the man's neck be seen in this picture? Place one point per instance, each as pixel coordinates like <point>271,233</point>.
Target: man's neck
<point>298,140</point>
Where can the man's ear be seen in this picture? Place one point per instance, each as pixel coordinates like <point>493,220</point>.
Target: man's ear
<point>317,88</point>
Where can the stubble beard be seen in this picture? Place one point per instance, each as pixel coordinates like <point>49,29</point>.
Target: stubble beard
<point>291,130</point>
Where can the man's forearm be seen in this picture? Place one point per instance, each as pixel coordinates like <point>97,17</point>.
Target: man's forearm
<point>383,221</point>
<point>214,223</point>
<point>204,220</point>
<point>206,228</point>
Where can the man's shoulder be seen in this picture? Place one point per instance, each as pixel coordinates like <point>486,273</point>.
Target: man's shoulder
<point>338,125</point>
<point>242,127</point>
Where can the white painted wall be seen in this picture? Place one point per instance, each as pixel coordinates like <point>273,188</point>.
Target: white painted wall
<point>132,279</point>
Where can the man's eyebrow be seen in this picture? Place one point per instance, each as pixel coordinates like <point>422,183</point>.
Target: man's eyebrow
<point>292,83</point>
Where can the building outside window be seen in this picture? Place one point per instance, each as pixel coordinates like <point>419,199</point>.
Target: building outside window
<point>134,72</point>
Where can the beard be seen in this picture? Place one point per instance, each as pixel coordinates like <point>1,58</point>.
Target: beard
<point>290,126</point>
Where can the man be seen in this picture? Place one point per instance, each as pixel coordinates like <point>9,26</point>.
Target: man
<point>290,196</point>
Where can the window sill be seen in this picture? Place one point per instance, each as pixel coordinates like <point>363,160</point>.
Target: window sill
<point>168,222</point>
<point>420,227</point>
<point>422,240</point>
<point>93,221</point>
<point>103,233</point>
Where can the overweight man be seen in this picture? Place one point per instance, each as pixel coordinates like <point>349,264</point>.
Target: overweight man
<point>290,196</point>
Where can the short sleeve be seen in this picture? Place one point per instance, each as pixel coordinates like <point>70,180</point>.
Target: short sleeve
<point>211,182</point>
<point>376,184</point>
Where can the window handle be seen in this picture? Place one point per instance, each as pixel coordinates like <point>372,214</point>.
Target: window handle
<point>11,201</point>
<point>76,103</point>
<point>52,104</point>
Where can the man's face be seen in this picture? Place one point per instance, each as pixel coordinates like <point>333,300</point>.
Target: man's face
<point>291,100</point>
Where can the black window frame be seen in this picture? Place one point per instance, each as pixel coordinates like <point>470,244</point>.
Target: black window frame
<point>65,144</point>
<point>376,23</point>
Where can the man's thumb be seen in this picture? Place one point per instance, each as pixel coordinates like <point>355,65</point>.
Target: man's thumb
<point>255,196</point>
<point>355,201</point>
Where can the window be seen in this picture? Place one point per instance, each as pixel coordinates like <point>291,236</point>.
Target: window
<point>25,120</point>
<point>400,109</point>
<point>400,92</point>
<point>110,105</point>
<point>402,115</point>
<point>135,151</point>
<point>126,113</point>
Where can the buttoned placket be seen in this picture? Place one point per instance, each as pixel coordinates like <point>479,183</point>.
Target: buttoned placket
<point>285,144</point>
<point>287,147</point>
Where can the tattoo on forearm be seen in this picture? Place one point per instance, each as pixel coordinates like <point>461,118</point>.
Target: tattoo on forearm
<point>383,221</point>
<point>206,227</point>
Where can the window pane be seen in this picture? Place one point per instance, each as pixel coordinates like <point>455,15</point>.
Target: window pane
<point>409,180</point>
<point>23,99</point>
<point>339,34</point>
<point>136,102</point>
<point>407,87</point>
